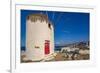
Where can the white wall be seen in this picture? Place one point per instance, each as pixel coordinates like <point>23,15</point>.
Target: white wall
<point>5,36</point>
<point>36,35</point>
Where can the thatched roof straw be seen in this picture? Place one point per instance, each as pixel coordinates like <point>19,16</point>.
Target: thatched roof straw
<point>35,17</point>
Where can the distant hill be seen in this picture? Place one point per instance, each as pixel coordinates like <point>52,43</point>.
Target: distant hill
<point>76,44</point>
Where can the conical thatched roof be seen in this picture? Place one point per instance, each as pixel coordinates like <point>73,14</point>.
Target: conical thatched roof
<point>35,17</point>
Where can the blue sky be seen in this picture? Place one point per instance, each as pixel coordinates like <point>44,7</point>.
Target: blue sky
<point>69,27</point>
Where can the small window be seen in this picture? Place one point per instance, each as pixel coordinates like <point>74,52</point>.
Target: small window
<point>49,25</point>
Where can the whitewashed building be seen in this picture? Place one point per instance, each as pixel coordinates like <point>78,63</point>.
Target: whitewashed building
<point>65,49</point>
<point>68,49</point>
<point>39,37</point>
<point>84,52</point>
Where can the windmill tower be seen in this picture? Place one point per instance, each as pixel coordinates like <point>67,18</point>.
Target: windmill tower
<point>39,37</point>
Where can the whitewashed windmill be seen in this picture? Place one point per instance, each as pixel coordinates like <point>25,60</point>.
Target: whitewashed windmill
<point>39,37</point>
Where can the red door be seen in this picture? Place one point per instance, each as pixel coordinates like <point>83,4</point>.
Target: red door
<point>47,46</point>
